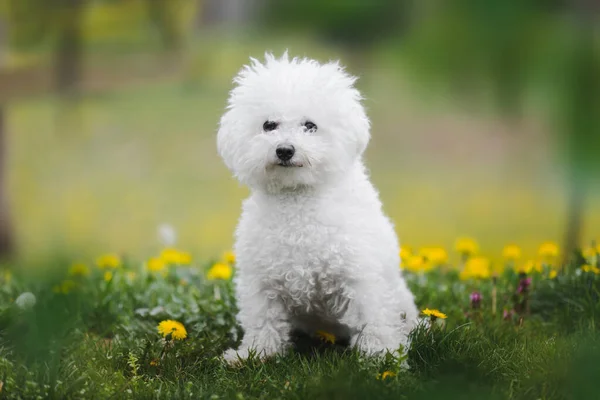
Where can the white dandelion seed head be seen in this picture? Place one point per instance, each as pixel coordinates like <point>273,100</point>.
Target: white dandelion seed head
<point>167,235</point>
<point>25,301</point>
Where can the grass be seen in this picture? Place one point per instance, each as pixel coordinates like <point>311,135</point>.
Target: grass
<point>96,337</point>
<point>133,159</point>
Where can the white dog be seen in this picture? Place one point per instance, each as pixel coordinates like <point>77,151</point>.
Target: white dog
<point>314,249</point>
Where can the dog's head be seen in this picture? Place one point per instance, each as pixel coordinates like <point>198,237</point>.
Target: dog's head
<point>292,123</point>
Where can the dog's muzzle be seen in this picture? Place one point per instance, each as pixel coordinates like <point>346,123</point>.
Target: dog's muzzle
<point>285,152</point>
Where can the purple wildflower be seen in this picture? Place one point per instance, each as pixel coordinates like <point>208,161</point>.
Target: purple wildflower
<point>524,285</point>
<point>507,314</point>
<point>475,299</point>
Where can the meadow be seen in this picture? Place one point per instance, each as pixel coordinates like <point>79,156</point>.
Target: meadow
<point>115,327</point>
<point>125,160</point>
<point>97,306</point>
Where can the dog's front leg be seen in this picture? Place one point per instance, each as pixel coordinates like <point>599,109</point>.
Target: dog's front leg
<point>266,328</point>
<point>374,331</point>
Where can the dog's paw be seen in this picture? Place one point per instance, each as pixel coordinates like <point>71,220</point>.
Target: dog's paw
<point>376,342</point>
<point>236,357</point>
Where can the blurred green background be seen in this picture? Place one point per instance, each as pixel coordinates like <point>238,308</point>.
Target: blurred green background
<point>485,117</point>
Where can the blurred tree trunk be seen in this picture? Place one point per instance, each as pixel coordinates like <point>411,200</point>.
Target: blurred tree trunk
<point>6,233</point>
<point>3,42</point>
<point>163,14</point>
<point>70,46</point>
<point>231,12</point>
<point>582,121</point>
<point>575,216</point>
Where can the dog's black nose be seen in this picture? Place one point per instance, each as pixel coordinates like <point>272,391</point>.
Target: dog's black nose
<point>285,153</point>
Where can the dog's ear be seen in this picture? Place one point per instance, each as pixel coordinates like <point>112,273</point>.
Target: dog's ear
<point>224,139</point>
<point>362,131</point>
<point>353,110</point>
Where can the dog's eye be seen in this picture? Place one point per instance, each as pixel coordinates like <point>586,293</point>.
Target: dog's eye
<point>269,126</point>
<point>310,126</point>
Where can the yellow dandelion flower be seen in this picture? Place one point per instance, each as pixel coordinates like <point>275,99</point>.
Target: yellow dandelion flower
<point>229,257</point>
<point>156,264</point>
<point>386,374</point>
<point>326,336</point>
<point>591,254</point>
<point>466,246</point>
<point>79,269</point>
<point>108,261</point>
<point>553,274</point>
<point>529,267</point>
<point>590,268</point>
<point>65,287</point>
<point>435,255</point>
<point>7,276</point>
<point>417,264</point>
<point>108,275</point>
<point>405,252</point>
<point>476,268</point>
<point>174,256</point>
<point>549,250</point>
<point>153,363</point>
<point>434,313</point>
<point>173,328</point>
<point>219,271</point>
<point>511,252</point>
<point>170,256</point>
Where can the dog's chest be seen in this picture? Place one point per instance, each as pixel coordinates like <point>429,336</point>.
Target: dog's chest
<point>303,257</point>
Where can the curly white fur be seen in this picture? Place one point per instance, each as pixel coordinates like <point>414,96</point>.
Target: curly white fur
<point>314,249</point>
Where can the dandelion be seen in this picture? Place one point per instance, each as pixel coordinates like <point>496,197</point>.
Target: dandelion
<point>435,255</point>
<point>476,268</point>
<point>25,301</point>
<point>417,264</point>
<point>156,264</point>
<point>590,268</point>
<point>529,267</point>
<point>153,363</point>
<point>433,314</point>
<point>549,250</point>
<point>219,271</point>
<point>176,257</point>
<point>108,275</point>
<point>386,374</point>
<point>326,336</point>
<point>511,252</point>
<point>592,254</point>
<point>405,252</point>
<point>466,246</point>
<point>229,257</point>
<point>167,234</point>
<point>553,274</point>
<point>79,269</point>
<point>173,328</point>
<point>108,261</point>
<point>65,287</point>
<point>7,276</point>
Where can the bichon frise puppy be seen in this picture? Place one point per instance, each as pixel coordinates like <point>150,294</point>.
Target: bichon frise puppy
<point>314,249</point>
